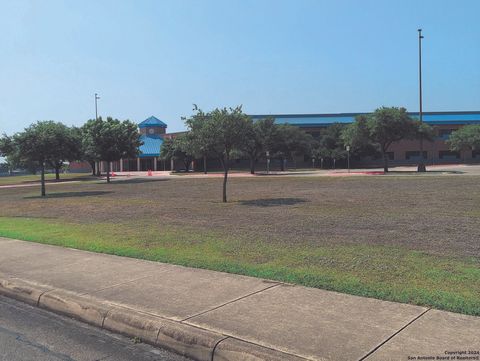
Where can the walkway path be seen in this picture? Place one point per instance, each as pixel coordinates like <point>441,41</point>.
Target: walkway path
<point>35,184</point>
<point>211,315</point>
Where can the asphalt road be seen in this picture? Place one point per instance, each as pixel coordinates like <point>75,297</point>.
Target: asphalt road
<point>32,334</point>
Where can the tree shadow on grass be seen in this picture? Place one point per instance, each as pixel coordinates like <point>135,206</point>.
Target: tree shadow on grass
<point>272,202</point>
<point>408,172</point>
<point>71,194</point>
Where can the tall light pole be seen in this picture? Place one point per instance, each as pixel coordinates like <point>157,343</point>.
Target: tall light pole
<point>421,166</point>
<point>96,112</point>
<point>97,163</point>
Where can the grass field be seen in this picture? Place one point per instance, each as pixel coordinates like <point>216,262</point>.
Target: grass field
<point>25,179</point>
<point>401,238</point>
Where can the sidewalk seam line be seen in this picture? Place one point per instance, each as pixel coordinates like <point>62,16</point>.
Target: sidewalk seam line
<point>393,335</point>
<point>112,286</point>
<point>273,348</point>
<point>215,347</point>
<point>229,302</point>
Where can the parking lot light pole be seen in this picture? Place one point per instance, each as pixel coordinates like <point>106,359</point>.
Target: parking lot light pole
<point>96,112</point>
<point>98,163</point>
<point>421,165</point>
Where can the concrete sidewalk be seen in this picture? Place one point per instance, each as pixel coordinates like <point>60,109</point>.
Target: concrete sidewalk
<point>211,315</point>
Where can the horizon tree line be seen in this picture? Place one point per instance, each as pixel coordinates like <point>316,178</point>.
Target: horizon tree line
<point>224,134</point>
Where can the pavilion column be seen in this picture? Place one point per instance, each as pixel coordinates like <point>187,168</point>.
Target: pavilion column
<point>101,167</point>
<point>96,168</point>
<point>155,164</point>
<point>172,165</point>
<point>138,164</point>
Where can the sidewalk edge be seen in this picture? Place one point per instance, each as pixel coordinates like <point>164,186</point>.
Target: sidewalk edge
<point>187,340</point>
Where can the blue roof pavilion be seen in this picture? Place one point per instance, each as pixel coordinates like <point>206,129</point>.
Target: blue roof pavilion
<point>151,145</point>
<point>152,122</point>
<point>151,134</point>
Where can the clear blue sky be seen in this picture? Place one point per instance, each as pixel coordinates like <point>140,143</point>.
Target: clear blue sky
<point>159,57</point>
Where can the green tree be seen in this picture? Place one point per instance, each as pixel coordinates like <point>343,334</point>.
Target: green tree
<point>337,154</point>
<point>111,140</point>
<point>181,148</point>
<point>13,159</point>
<point>465,138</point>
<point>329,145</point>
<point>66,146</point>
<point>167,150</point>
<point>288,142</point>
<point>220,132</point>
<point>259,140</point>
<point>319,152</point>
<point>380,129</point>
<point>89,150</point>
<point>35,145</point>
<point>9,150</point>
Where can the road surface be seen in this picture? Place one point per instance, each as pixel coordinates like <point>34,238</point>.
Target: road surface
<point>32,334</point>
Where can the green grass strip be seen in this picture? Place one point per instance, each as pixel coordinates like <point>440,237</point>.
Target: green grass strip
<point>383,272</point>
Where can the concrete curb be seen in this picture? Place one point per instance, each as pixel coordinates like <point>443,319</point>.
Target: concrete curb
<point>187,340</point>
<point>183,339</point>
<point>23,291</point>
<point>70,304</point>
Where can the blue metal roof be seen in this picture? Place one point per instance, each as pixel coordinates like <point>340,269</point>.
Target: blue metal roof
<point>315,120</point>
<point>151,145</point>
<point>152,122</point>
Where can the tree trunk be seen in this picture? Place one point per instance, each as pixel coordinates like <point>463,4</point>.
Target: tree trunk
<point>225,164</point>
<point>57,172</point>
<point>252,165</point>
<point>108,172</point>
<point>205,163</point>
<point>43,179</point>
<point>321,163</point>
<point>92,164</point>
<point>282,164</point>
<point>385,161</point>
<point>225,176</point>
<point>98,169</point>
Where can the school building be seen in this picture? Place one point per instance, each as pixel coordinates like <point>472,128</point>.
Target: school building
<point>153,131</point>
<point>404,152</point>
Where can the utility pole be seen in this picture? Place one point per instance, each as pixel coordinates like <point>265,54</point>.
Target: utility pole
<point>96,112</point>
<point>98,163</point>
<point>421,166</point>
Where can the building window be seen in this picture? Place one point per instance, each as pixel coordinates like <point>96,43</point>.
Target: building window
<point>390,155</point>
<point>448,154</point>
<point>415,155</point>
<point>476,153</point>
